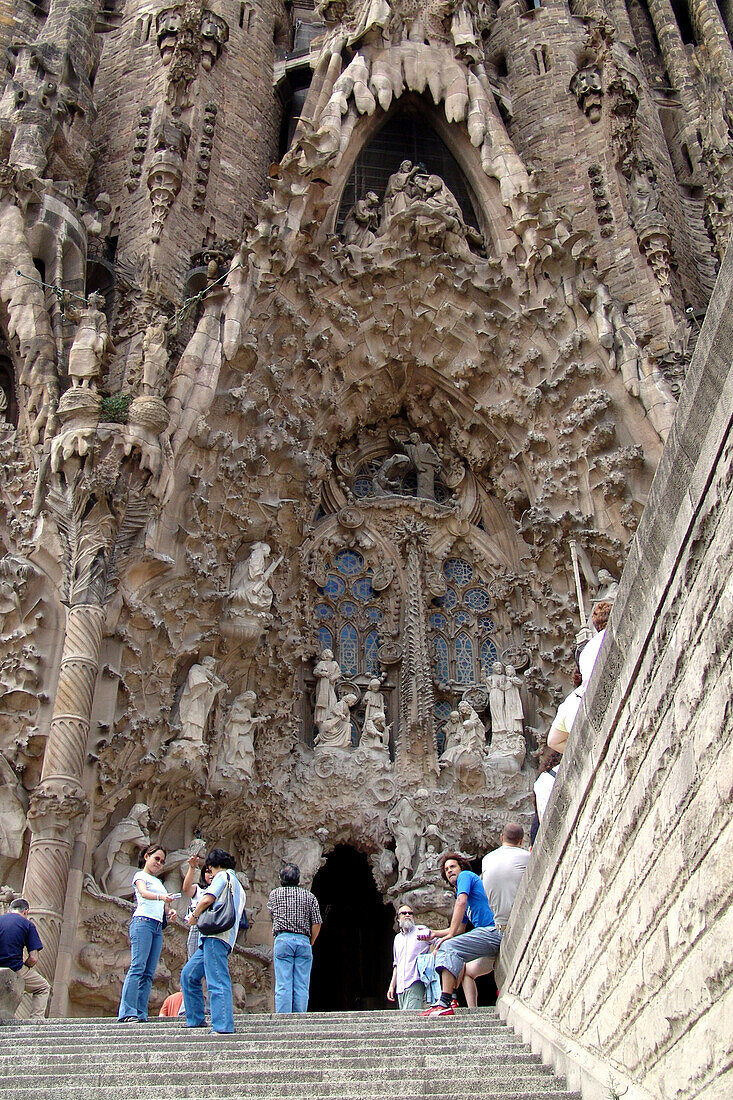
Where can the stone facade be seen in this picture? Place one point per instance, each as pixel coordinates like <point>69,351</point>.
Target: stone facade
<point>396,302</point>
<point>634,853</point>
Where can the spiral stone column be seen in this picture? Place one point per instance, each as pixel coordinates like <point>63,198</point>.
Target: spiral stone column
<point>59,804</point>
<point>416,681</point>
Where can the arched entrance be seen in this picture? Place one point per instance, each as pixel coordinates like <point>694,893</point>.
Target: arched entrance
<point>352,958</point>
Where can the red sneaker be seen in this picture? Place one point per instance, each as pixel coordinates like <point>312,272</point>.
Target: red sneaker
<point>438,1010</point>
<point>454,1004</point>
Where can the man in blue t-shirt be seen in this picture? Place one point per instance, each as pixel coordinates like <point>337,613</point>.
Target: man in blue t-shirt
<point>18,934</point>
<point>211,958</point>
<point>455,947</point>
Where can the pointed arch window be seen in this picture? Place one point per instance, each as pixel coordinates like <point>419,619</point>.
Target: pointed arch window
<point>349,614</point>
<point>463,632</point>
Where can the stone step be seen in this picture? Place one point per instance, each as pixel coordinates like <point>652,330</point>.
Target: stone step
<point>203,1090</point>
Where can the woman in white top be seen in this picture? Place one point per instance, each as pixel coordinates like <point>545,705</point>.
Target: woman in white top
<point>194,891</point>
<point>146,934</point>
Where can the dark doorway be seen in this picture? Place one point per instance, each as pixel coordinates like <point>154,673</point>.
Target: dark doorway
<point>352,958</point>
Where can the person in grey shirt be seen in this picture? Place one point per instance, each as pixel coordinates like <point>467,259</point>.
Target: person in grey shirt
<point>501,872</point>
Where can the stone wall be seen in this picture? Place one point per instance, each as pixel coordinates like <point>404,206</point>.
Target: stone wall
<point>617,961</point>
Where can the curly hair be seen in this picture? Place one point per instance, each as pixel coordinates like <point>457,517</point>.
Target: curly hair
<point>465,864</point>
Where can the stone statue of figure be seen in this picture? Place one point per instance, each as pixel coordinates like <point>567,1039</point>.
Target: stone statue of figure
<point>399,192</point>
<point>373,700</point>
<point>607,587</point>
<point>513,709</point>
<point>201,691</point>
<point>12,817</point>
<point>327,673</point>
<point>362,221</point>
<point>643,193</point>
<point>239,745</point>
<point>431,846</point>
<point>3,405</point>
<point>406,829</point>
<point>451,734</point>
<point>250,591</point>
<point>155,354</point>
<point>90,343</point>
<point>497,699</point>
<point>388,479</point>
<point>469,735</point>
<point>334,732</point>
<point>375,735</point>
<point>115,859</point>
<point>426,462</point>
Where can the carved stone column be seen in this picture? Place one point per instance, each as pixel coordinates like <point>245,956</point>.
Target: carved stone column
<point>59,804</point>
<point>417,725</point>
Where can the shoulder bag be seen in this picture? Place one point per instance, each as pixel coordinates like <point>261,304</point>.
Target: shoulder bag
<point>221,916</point>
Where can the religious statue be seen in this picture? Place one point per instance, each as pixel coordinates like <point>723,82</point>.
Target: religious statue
<point>115,859</point>
<point>155,354</point>
<point>405,827</point>
<point>513,709</point>
<point>13,807</point>
<point>373,700</point>
<point>334,731</point>
<point>426,463</point>
<point>362,221</point>
<point>607,587</point>
<point>468,735</point>
<point>375,736</point>
<point>399,192</point>
<point>250,591</point>
<point>239,746</point>
<point>432,844</point>
<point>201,690</point>
<point>497,699</point>
<point>388,479</point>
<point>90,343</point>
<point>327,673</point>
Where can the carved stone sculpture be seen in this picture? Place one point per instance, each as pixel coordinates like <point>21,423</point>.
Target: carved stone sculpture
<point>375,737</point>
<point>90,343</point>
<point>607,587</point>
<point>513,708</point>
<point>327,673</point>
<point>468,736</point>
<point>239,732</point>
<point>166,170</point>
<point>406,830</point>
<point>426,463</point>
<point>214,32</point>
<point>334,731</point>
<point>373,700</point>
<point>497,699</point>
<point>250,591</point>
<point>13,807</point>
<point>587,87</point>
<point>362,221</point>
<point>115,859</point>
<point>155,354</point>
<point>200,692</point>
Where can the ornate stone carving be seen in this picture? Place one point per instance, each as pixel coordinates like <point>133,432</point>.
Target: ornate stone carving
<point>587,87</point>
<point>327,673</point>
<point>165,171</point>
<point>334,730</point>
<point>200,691</point>
<point>115,859</point>
<point>239,733</point>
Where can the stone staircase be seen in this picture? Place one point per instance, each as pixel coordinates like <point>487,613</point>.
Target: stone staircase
<point>344,1056</point>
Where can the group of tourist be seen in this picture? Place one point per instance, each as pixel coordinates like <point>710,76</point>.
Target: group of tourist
<point>434,962</point>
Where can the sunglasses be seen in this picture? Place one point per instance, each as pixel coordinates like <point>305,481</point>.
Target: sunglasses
<point>406,913</point>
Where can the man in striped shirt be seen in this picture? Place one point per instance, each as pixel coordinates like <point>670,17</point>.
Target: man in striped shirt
<point>296,922</point>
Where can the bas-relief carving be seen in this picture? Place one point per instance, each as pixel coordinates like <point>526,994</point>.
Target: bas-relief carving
<point>115,859</point>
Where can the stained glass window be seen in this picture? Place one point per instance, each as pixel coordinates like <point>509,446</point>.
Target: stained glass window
<point>349,562</point>
<point>441,712</point>
<point>477,599</point>
<point>441,665</point>
<point>449,600</point>
<point>362,589</point>
<point>374,615</point>
<point>464,659</point>
<point>323,612</point>
<point>362,486</point>
<point>347,609</point>
<point>487,625</point>
<point>438,621</point>
<point>325,639</point>
<point>334,586</point>
<point>461,618</point>
<point>371,660</point>
<point>488,656</point>
<point>458,571</point>
<point>349,650</point>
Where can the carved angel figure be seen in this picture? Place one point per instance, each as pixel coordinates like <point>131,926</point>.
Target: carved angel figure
<point>334,732</point>
<point>328,673</point>
<point>375,735</point>
<point>202,689</point>
<point>239,746</point>
<point>373,700</point>
<point>116,857</point>
<point>250,591</point>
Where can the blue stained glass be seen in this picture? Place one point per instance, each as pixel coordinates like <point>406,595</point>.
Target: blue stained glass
<point>334,586</point>
<point>348,650</point>
<point>488,624</point>
<point>371,645</point>
<point>374,615</point>
<point>450,599</point>
<point>461,618</point>
<point>362,486</point>
<point>488,656</point>
<point>347,609</point>
<point>438,622</point>
<point>458,571</point>
<point>325,639</point>
<point>323,612</point>
<point>464,659</point>
<point>440,659</point>
<point>442,711</point>
<point>354,733</point>
<point>349,562</point>
<point>362,589</point>
<point>477,599</point>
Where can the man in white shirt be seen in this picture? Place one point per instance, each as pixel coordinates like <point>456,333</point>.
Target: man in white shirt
<point>211,958</point>
<point>562,723</point>
<point>501,873</point>
<point>411,940</point>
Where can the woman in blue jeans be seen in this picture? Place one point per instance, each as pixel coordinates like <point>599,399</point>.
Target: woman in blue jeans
<point>296,922</point>
<point>146,935</point>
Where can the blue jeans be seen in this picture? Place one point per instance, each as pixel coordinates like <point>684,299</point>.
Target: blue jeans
<point>210,960</point>
<point>293,956</point>
<point>146,944</point>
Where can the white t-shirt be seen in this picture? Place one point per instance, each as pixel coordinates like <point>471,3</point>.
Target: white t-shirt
<point>567,711</point>
<point>217,885</point>
<point>542,791</point>
<point>589,656</point>
<point>145,906</point>
<point>198,893</point>
<point>501,872</point>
